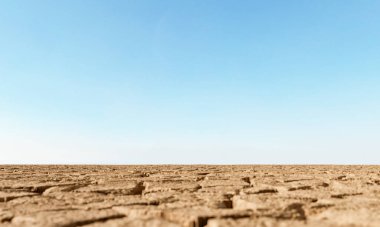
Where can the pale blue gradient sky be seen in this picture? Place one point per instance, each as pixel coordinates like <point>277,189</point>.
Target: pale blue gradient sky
<point>131,82</point>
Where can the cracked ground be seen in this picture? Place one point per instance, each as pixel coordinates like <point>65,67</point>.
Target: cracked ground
<point>189,195</point>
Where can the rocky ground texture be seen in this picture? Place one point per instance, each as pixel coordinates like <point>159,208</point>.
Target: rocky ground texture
<point>189,195</point>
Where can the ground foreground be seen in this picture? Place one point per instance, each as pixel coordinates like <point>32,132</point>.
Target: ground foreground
<point>189,196</point>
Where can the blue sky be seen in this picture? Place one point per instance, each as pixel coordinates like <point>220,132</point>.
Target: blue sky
<point>135,82</point>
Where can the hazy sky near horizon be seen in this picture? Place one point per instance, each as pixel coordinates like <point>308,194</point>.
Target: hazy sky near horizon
<point>136,82</point>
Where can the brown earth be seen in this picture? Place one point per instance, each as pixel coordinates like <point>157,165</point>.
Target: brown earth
<point>189,195</point>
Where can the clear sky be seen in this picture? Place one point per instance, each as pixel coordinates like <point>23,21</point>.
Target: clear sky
<point>134,82</point>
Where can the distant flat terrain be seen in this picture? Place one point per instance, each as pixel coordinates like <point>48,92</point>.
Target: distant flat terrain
<point>189,195</point>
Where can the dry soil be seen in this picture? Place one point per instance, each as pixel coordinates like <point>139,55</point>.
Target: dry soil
<point>189,195</point>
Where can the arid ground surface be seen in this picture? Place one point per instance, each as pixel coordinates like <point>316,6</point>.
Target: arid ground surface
<point>189,195</point>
